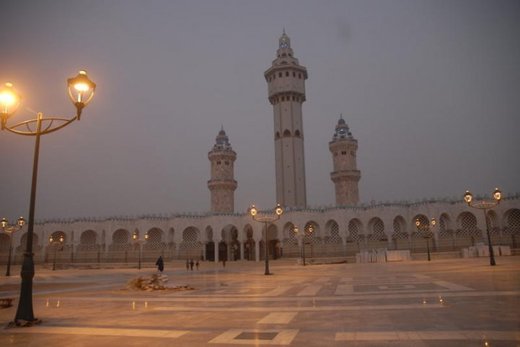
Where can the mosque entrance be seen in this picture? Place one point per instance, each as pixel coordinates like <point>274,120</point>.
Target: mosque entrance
<point>210,251</point>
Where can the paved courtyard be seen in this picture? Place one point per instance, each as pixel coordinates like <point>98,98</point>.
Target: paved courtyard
<point>456,302</point>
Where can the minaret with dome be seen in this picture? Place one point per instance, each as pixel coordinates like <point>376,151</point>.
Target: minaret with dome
<point>345,175</point>
<point>286,91</point>
<point>222,184</point>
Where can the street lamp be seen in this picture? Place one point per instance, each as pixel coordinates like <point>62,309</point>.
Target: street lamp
<point>135,237</point>
<point>310,229</point>
<point>425,229</point>
<point>485,205</point>
<point>10,229</point>
<point>56,243</point>
<point>266,219</point>
<point>80,90</point>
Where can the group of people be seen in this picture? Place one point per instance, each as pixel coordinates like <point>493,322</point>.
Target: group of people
<point>189,264</point>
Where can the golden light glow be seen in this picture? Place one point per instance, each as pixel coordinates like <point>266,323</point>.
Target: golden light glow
<point>4,222</point>
<point>278,210</point>
<point>21,221</point>
<point>468,197</point>
<point>433,222</point>
<point>81,87</point>
<point>8,98</point>
<point>497,194</point>
<point>253,211</point>
<point>134,236</point>
<point>417,222</point>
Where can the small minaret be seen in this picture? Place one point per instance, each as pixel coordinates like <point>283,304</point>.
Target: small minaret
<point>345,175</point>
<point>286,91</point>
<point>222,184</point>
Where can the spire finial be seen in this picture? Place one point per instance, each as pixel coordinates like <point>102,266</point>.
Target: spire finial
<point>221,127</point>
<point>341,116</point>
<point>284,30</point>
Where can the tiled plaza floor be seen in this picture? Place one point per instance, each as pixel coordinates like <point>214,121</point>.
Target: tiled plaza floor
<point>457,302</point>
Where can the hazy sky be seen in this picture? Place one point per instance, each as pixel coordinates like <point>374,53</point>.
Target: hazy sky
<point>430,89</point>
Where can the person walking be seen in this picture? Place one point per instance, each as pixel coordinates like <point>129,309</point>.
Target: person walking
<point>197,265</point>
<point>160,264</point>
<point>191,264</point>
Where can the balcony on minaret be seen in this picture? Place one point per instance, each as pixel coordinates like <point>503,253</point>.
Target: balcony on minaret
<point>285,75</point>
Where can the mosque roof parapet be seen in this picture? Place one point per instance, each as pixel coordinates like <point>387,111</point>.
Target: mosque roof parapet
<point>320,209</point>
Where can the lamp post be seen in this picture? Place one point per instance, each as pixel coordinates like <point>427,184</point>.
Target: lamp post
<point>266,219</point>
<point>56,243</point>
<point>310,230</point>
<point>135,237</point>
<point>425,229</point>
<point>10,229</point>
<point>485,205</point>
<point>80,90</point>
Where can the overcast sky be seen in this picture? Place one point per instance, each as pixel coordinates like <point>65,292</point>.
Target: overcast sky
<point>430,89</point>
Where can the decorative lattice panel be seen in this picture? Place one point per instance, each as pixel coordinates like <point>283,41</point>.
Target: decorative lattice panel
<point>290,236</point>
<point>333,243</point>
<point>444,224</point>
<point>190,246</point>
<point>511,232</point>
<point>155,240</point>
<point>333,231</point>
<point>400,238</point>
<point>354,230</point>
<point>376,237</point>
<point>87,242</point>
<point>120,241</point>
<point>190,235</point>
<point>311,232</point>
<point>513,221</point>
<point>467,233</point>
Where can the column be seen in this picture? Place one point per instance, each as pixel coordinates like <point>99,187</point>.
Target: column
<point>217,242</point>
<point>257,249</point>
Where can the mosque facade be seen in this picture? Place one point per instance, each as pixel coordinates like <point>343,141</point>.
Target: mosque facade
<point>221,234</point>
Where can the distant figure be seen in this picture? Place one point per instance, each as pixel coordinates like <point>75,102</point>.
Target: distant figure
<point>224,262</point>
<point>160,264</point>
<point>187,265</point>
<point>191,264</point>
<point>197,265</point>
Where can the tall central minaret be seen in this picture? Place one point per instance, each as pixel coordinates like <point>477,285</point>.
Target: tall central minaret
<point>286,88</point>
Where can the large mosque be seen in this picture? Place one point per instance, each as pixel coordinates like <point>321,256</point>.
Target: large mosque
<point>340,231</point>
